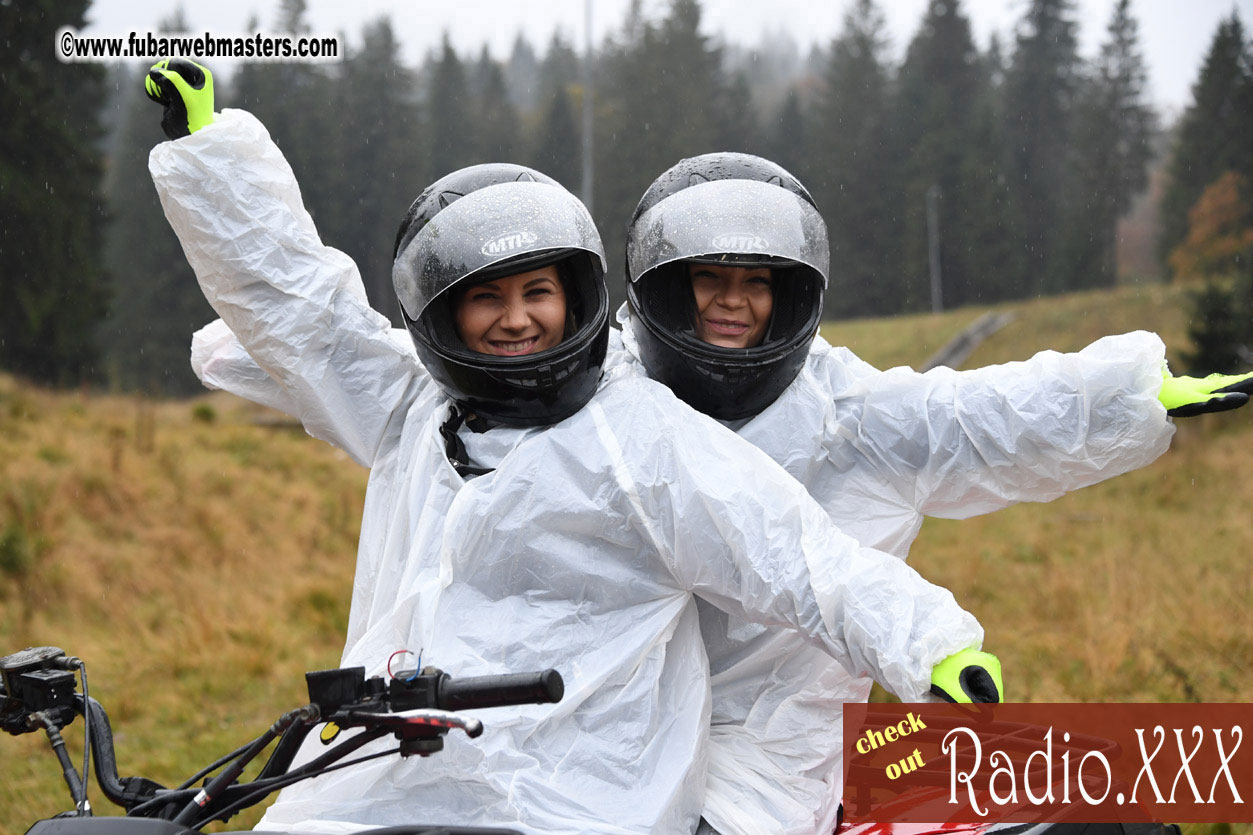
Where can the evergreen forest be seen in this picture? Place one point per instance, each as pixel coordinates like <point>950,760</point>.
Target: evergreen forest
<point>960,174</point>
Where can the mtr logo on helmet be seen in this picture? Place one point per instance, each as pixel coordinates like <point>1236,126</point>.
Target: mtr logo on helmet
<point>506,244</point>
<point>739,243</point>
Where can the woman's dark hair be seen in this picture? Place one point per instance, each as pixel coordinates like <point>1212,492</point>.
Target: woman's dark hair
<point>565,277</point>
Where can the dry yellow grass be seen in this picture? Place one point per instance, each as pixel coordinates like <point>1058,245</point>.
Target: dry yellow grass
<point>1137,589</point>
<point>198,567</point>
<point>201,567</point>
<point>1061,323</point>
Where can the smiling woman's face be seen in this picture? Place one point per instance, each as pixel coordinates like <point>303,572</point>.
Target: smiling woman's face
<point>733,304</point>
<point>512,316</point>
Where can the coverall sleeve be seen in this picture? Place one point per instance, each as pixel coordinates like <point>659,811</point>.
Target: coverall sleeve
<point>222,364</point>
<point>740,532</point>
<point>961,443</point>
<point>297,307</point>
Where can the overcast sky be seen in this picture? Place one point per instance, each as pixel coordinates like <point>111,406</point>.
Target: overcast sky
<point>1174,33</point>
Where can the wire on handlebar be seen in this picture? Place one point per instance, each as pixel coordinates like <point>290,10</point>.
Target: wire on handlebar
<point>312,768</point>
<point>53,732</point>
<point>280,783</point>
<point>214,766</point>
<point>227,777</point>
<point>416,670</point>
<point>84,808</point>
<point>173,796</point>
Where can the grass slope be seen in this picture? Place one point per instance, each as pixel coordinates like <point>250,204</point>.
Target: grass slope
<point>1060,323</point>
<point>199,567</point>
<point>201,563</point>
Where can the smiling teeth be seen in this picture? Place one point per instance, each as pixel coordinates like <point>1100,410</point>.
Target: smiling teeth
<point>515,346</point>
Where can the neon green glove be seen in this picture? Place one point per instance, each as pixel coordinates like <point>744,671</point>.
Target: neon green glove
<point>186,90</point>
<point>968,676</point>
<point>1188,396</point>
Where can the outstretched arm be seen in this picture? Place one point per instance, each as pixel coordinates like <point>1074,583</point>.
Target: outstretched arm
<point>298,307</point>
<point>959,443</point>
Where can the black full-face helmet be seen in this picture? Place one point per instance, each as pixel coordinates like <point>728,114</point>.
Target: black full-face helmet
<point>734,210</point>
<point>487,222</point>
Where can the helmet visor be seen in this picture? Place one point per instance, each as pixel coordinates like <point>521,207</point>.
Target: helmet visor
<point>725,218</point>
<point>492,225</point>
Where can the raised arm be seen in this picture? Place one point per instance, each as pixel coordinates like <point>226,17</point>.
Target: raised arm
<point>297,307</point>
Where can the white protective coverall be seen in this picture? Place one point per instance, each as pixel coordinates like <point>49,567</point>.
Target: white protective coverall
<point>582,550</point>
<point>880,450</point>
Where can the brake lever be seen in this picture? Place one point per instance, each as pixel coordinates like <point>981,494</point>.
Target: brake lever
<point>440,721</point>
<point>421,730</point>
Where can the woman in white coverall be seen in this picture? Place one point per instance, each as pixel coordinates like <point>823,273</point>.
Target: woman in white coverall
<point>522,510</point>
<point>727,264</point>
<point>879,450</point>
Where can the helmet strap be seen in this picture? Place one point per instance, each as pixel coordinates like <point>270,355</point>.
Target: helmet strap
<point>454,447</point>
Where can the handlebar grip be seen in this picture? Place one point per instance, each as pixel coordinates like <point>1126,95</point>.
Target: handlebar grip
<point>476,692</point>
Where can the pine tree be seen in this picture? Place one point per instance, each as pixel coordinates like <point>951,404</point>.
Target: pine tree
<point>50,199</point>
<point>522,73</point>
<point>1115,129</point>
<point>994,63</point>
<point>449,114</point>
<point>1220,326</point>
<point>991,258</point>
<point>291,100</point>
<point>694,114</point>
<point>737,124</point>
<point>1041,86</point>
<point>560,68</point>
<point>854,178</point>
<point>496,120</point>
<point>380,158</point>
<point>624,160</point>
<point>954,183</point>
<point>556,150</point>
<point>660,93</point>
<point>1214,133</point>
<point>787,139</point>
<point>554,134</point>
<point>945,132</point>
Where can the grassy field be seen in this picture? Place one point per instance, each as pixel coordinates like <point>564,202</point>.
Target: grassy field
<point>197,562</point>
<point>1063,323</point>
<point>201,562</point>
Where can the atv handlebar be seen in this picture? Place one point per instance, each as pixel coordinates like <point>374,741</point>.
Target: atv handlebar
<point>479,692</point>
<point>416,707</point>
